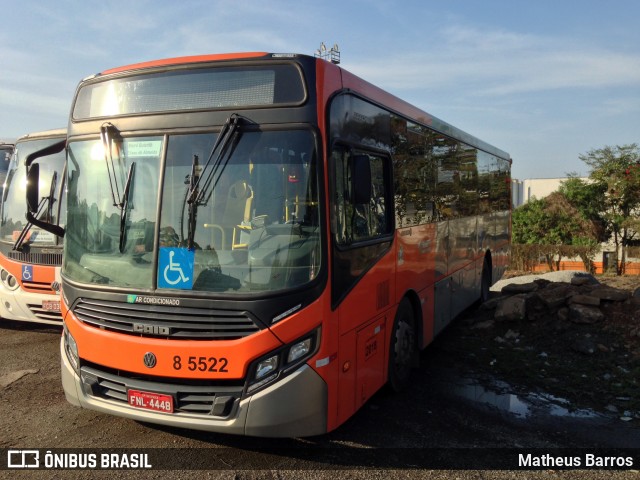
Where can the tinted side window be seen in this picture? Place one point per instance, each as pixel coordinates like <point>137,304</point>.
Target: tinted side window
<point>358,220</point>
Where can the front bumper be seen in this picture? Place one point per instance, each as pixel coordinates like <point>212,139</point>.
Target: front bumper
<point>295,406</point>
<point>27,307</point>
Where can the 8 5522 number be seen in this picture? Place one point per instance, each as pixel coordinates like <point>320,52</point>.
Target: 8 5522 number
<point>202,364</point>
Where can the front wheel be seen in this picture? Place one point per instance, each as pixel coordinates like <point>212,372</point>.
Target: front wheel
<point>403,350</point>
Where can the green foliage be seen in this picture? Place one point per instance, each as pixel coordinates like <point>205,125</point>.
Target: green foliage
<point>584,213</point>
<point>553,222</point>
<point>586,197</point>
<point>615,172</point>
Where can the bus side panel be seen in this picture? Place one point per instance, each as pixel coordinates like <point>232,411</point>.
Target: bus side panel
<point>441,253</point>
<point>365,316</point>
<point>416,253</point>
<point>502,254</point>
<point>370,296</point>
<point>463,240</point>
<point>347,378</point>
<point>371,360</point>
<point>363,359</point>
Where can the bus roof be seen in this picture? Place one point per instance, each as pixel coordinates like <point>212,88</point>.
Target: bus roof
<point>56,132</point>
<point>350,81</point>
<point>185,60</point>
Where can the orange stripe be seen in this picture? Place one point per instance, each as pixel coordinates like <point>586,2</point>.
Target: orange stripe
<point>184,60</point>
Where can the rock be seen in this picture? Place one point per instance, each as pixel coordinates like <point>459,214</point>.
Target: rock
<point>610,294</point>
<point>491,304</point>
<point>484,325</point>
<point>11,377</point>
<point>563,314</point>
<point>581,280</point>
<point>586,300</point>
<point>511,309</point>
<point>520,287</point>
<point>511,334</point>
<point>542,282</point>
<point>636,293</point>
<point>584,346</point>
<point>535,307</point>
<point>553,298</point>
<point>584,314</point>
<point>562,325</point>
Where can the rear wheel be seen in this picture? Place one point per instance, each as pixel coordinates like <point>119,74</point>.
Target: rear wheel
<point>402,352</point>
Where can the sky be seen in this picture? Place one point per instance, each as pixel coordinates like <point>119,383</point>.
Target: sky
<point>546,81</point>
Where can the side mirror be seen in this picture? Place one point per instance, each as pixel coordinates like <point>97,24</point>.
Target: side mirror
<point>361,189</point>
<point>33,194</point>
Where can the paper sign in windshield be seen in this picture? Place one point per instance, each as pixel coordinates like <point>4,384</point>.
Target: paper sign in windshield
<point>147,148</point>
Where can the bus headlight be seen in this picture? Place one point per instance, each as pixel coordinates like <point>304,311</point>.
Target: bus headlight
<point>283,361</point>
<point>8,280</point>
<point>265,367</point>
<point>71,349</point>
<point>299,350</point>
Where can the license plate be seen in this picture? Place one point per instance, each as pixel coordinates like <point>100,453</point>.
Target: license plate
<point>51,305</point>
<point>150,401</point>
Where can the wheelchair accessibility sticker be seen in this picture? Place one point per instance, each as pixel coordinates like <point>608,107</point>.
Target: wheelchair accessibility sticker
<point>175,268</point>
<point>27,273</point>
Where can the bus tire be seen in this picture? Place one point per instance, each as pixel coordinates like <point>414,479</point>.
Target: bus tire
<point>485,280</point>
<point>402,351</point>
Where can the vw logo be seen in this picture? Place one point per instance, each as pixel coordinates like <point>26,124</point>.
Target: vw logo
<point>149,360</point>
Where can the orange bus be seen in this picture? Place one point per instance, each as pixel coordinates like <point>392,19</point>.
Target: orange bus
<point>256,243</point>
<point>30,257</point>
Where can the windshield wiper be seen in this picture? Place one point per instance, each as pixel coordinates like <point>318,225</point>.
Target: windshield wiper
<point>193,208</point>
<point>108,158</point>
<point>198,194</point>
<point>48,201</point>
<point>125,206</point>
<point>224,145</point>
<point>120,201</point>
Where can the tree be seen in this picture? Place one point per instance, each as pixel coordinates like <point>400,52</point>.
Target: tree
<point>587,197</point>
<point>554,222</point>
<point>615,171</point>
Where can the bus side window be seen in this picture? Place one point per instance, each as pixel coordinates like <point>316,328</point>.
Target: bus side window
<point>361,204</point>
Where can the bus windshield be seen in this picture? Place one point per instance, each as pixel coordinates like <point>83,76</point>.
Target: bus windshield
<point>14,206</point>
<point>244,221</point>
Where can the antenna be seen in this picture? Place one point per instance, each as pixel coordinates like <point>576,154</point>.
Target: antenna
<point>332,55</point>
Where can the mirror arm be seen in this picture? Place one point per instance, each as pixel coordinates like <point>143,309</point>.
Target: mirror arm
<point>49,227</point>
<point>31,215</point>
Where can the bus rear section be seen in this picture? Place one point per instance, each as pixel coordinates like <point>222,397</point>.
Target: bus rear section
<point>249,248</point>
<point>30,257</point>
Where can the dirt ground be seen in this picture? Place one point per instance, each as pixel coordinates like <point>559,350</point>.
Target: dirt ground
<point>35,414</point>
<point>591,366</point>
